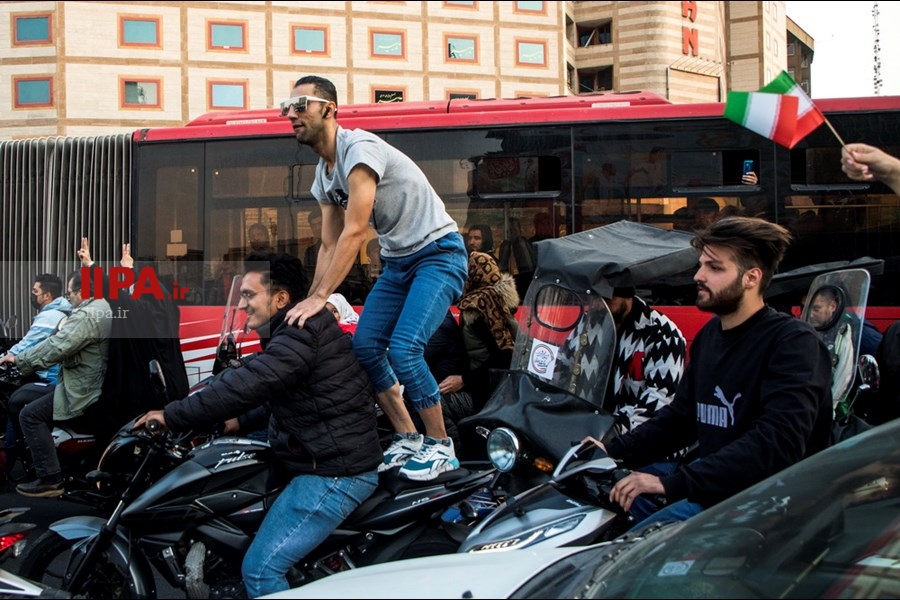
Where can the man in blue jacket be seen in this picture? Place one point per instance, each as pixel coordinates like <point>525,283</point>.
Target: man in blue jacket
<point>320,408</point>
<point>46,297</point>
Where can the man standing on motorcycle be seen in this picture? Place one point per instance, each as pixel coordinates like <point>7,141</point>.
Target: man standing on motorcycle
<point>46,298</point>
<point>81,346</point>
<point>322,425</point>
<point>361,179</point>
<point>756,394</point>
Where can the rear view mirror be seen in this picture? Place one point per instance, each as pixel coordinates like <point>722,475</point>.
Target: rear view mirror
<point>868,372</point>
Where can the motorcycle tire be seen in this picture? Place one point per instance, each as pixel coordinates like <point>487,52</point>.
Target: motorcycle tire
<point>47,558</point>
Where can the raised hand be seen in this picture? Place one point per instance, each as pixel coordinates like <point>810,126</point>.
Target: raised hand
<point>84,253</point>
<point>127,260</point>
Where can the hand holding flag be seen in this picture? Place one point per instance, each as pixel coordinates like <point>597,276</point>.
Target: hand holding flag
<point>780,111</point>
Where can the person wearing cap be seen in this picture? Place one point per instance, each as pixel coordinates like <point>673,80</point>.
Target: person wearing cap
<point>649,359</point>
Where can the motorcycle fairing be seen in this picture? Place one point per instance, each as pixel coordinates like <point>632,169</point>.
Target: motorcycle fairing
<point>551,419</point>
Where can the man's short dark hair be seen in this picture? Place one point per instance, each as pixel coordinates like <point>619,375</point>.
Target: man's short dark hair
<point>324,88</point>
<point>487,237</point>
<point>75,279</point>
<point>280,271</point>
<point>50,284</point>
<point>755,242</point>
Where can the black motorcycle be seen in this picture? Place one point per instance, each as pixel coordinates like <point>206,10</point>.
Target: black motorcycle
<point>195,522</point>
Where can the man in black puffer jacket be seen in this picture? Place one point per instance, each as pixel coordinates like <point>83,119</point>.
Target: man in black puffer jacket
<point>321,422</point>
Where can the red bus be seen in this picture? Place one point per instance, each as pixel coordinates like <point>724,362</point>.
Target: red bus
<point>583,161</point>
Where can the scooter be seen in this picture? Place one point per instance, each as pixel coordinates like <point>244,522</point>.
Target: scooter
<point>573,507</point>
<point>552,396</point>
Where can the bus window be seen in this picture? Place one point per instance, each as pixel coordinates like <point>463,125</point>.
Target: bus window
<point>517,176</point>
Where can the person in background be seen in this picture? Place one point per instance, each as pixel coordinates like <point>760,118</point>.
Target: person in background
<point>373,252</point>
<point>517,257</point>
<point>862,162</point>
<point>756,393</point>
<point>148,331</point>
<point>480,239</point>
<point>311,254</point>
<point>320,409</point>
<point>46,298</point>
<point>488,318</point>
<point>823,306</point>
<point>361,179</point>
<point>346,317</point>
<point>543,227</point>
<point>258,236</point>
<point>81,346</point>
<point>649,359</point>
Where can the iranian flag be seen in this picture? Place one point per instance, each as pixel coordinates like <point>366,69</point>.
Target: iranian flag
<point>781,111</point>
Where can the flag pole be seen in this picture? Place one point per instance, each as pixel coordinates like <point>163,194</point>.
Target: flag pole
<point>827,122</point>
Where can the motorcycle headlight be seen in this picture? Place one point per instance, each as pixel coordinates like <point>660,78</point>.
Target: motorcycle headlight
<point>503,449</point>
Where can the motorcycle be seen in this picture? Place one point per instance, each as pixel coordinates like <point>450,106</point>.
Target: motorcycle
<point>76,446</point>
<point>552,396</point>
<point>573,507</point>
<point>195,523</point>
<point>11,536</point>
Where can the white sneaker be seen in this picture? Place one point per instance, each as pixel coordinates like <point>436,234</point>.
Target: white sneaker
<point>403,447</point>
<point>433,458</point>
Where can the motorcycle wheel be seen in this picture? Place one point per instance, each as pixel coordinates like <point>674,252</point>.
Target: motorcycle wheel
<point>47,559</point>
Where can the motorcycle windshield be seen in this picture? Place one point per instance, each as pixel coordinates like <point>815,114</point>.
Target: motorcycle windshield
<point>234,320</point>
<point>836,307</point>
<point>566,340</point>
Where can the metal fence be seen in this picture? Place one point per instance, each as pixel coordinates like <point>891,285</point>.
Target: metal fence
<point>56,191</point>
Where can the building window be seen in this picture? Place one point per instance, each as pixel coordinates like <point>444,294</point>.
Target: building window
<point>226,36</point>
<point>387,43</point>
<point>591,35</point>
<point>529,7</point>
<point>139,31</point>
<point>462,95</point>
<point>31,30</point>
<point>309,40</point>
<point>227,94</point>
<point>383,96</point>
<point>595,80</point>
<point>531,53</point>
<point>140,93</point>
<point>33,92</point>
<point>791,49</point>
<point>459,3</point>
<point>462,48</point>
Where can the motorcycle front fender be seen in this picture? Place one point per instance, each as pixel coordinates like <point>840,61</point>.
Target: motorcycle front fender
<point>123,553</point>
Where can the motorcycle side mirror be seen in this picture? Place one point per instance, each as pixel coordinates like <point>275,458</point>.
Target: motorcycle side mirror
<point>868,371</point>
<point>10,324</point>
<point>557,308</point>
<point>157,377</point>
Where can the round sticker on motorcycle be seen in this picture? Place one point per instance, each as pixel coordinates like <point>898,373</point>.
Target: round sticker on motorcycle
<point>542,361</point>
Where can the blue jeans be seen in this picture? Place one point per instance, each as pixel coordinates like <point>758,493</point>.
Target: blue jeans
<point>303,516</point>
<point>645,512</point>
<point>402,312</point>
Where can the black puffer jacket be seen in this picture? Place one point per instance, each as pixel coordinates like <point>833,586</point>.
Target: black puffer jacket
<point>321,402</point>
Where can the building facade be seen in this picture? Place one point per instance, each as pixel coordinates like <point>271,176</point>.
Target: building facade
<point>97,68</point>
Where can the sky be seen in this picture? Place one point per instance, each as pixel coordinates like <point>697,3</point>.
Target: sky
<point>843,63</point>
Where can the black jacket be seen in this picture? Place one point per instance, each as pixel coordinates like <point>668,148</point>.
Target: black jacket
<point>321,402</point>
<point>757,398</point>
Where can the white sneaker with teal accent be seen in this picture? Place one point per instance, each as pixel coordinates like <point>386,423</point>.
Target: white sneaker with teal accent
<point>403,447</point>
<point>433,458</point>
